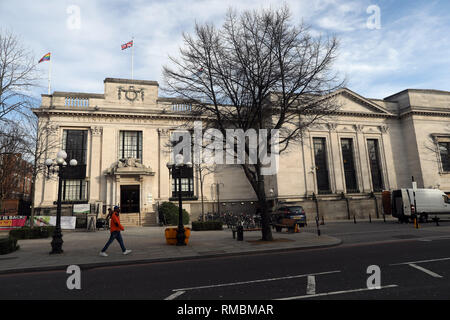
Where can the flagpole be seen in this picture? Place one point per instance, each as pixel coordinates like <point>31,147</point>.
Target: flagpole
<point>132,54</point>
<point>49,75</point>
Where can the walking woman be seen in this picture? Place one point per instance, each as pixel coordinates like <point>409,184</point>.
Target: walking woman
<point>115,228</point>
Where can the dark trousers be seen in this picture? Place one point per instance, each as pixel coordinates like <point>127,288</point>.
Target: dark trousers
<point>115,235</point>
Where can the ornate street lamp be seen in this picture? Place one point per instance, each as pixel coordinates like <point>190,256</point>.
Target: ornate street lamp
<point>176,169</point>
<point>58,166</point>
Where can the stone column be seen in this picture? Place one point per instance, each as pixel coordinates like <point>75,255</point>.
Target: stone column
<point>164,183</point>
<point>95,174</point>
<point>116,190</point>
<point>335,161</point>
<point>307,158</point>
<point>389,177</point>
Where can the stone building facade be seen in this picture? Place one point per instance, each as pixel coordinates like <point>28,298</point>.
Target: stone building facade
<point>339,169</point>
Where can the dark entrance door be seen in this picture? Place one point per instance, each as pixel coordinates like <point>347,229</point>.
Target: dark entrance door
<point>129,199</point>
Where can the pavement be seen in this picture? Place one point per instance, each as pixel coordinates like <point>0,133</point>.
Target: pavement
<point>148,245</point>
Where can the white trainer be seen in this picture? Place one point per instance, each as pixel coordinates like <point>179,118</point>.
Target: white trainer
<point>127,252</point>
<point>103,254</point>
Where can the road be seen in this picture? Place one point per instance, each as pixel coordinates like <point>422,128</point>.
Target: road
<point>413,264</point>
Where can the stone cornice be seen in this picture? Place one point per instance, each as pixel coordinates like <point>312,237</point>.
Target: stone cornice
<point>99,114</point>
<point>129,81</point>
<point>430,113</point>
<point>78,94</point>
<point>429,91</point>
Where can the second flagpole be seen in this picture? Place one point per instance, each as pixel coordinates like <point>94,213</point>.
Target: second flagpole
<point>132,54</point>
<point>49,75</point>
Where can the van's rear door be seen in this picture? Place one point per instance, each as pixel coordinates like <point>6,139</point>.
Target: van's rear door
<point>397,203</point>
<point>406,198</point>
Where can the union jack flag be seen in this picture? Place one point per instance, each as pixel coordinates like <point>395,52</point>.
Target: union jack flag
<point>127,45</point>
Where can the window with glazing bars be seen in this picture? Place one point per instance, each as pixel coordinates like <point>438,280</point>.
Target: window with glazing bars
<point>130,144</point>
<point>349,166</point>
<point>75,145</point>
<point>320,159</point>
<point>187,187</point>
<point>444,151</point>
<point>73,190</point>
<point>375,165</point>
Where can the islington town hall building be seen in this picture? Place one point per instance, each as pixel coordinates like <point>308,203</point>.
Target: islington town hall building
<point>338,169</point>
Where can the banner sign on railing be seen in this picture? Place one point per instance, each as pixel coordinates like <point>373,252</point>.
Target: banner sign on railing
<point>12,222</point>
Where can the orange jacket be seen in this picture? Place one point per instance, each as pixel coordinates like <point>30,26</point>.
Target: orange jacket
<point>115,223</point>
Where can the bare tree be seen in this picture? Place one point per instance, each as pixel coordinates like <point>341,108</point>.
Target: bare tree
<point>37,144</point>
<point>203,170</point>
<point>258,71</point>
<point>12,167</point>
<point>17,75</point>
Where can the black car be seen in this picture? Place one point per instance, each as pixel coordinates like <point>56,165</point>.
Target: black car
<point>291,212</point>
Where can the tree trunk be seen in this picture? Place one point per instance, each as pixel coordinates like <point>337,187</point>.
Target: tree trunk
<point>203,204</point>
<point>265,214</point>
<point>33,188</point>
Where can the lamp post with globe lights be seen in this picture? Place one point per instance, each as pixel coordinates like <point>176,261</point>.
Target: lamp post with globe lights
<point>176,170</point>
<point>58,166</point>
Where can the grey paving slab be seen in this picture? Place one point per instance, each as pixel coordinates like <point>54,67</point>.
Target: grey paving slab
<point>148,245</point>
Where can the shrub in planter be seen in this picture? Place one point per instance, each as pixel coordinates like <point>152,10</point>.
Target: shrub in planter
<point>8,245</point>
<point>170,212</point>
<point>206,225</point>
<point>32,233</point>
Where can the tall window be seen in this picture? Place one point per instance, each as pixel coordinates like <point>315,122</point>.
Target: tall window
<point>320,158</point>
<point>349,165</point>
<point>375,165</point>
<point>187,175</point>
<point>74,178</point>
<point>75,145</point>
<point>187,185</point>
<point>130,145</point>
<point>444,151</point>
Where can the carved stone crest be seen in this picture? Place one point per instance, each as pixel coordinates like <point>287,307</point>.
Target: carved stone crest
<point>129,166</point>
<point>131,94</point>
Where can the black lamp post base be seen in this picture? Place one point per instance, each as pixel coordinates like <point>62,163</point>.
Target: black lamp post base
<point>57,242</point>
<point>181,237</point>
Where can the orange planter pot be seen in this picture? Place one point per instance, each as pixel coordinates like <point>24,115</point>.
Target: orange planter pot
<point>171,235</point>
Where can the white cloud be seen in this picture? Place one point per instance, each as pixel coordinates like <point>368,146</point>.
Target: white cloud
<point>399,52</point>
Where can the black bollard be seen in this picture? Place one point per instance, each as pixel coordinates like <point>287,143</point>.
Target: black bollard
<point>370,218</point>
<point>323,221</point>
<point>354,219</point>
<point>317,225</point>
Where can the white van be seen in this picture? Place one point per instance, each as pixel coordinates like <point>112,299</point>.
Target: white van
<point>429,202</point>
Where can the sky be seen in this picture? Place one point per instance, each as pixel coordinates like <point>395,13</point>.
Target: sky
<point>386,46</point>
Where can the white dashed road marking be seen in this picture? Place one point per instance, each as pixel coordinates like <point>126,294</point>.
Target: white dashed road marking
<point>311,287</point>
<point>431,273</point>
<point>175,295</point>
<point>336,292</point>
